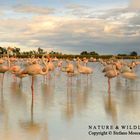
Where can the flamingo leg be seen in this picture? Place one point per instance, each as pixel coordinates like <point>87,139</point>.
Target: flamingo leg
<point>44,78</point>
<point>20,83</point>
<point>67,80</point>
<point>2,79</point>
<point>126,82</point>
<point>14,77</point>
<point>32,105</point>
<point>109,86</point>
<point>32,85</point>
<point>87,78</point>
<point>49,75</point>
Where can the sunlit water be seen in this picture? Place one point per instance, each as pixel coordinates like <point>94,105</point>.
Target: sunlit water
<point>61,108</point>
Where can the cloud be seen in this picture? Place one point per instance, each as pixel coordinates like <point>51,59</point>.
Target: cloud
<point>78,10</point>
<point>134,4</point>
<point>64,33</point>
<point>33,9</point>
<point>80,28</point>
<point>109,28</point>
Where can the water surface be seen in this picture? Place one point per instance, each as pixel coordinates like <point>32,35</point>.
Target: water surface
<point>61,108</point>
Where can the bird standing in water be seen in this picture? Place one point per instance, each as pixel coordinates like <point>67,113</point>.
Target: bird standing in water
<point>35,69</point>
<point>111,73</point>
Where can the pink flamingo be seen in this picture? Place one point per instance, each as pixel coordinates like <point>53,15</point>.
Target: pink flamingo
<point>20,75</point>
<point>69,68</point>
<point>85,60</point>
<point>50,65</point>
<point>83,69</point>
<point>1,61</point>
<point>35,69</point>
<point>111,74</point>
<point>129,75</point>
<point>15,69</point>
<point>71,71</point>
<point>4,68</point>
<point>107,68</point>
<point>59,63</point>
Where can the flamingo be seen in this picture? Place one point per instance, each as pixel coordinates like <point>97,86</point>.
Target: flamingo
<point>59,63</point>
<point>4,68</point>
<point>107,68</point>
<point>129,75</point>
<point>125,68</point>
<point>69,68</point>
<point>1,61</point>
<point>137,63</point>
<point>83,69</point>
<point>132,64</point>
<point>50,65</point>
<point>9,49</point>
<point>85,60</point>
<point>35,69</point>
<point>118,65</point>
<point>15,69</point>
<point>111,74</point>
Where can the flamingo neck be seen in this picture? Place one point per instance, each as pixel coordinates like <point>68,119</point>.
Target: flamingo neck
<point>9,64</point>
<point>114,68</point>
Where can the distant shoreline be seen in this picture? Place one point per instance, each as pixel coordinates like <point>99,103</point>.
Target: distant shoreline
<point>70,56</point>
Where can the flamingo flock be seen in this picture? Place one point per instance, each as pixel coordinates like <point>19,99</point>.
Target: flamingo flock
<point>114,68</point>
<point>46,66</point>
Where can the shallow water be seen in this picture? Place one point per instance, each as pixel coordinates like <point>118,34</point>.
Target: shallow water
<point>61,108</point>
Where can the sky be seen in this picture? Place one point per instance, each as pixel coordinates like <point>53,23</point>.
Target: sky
<point>71,26</point>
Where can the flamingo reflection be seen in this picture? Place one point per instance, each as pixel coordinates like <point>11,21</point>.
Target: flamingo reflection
<point>31,125</point>
<point>110,107</point>
<point>69,109</point>
<point>33,128</point>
